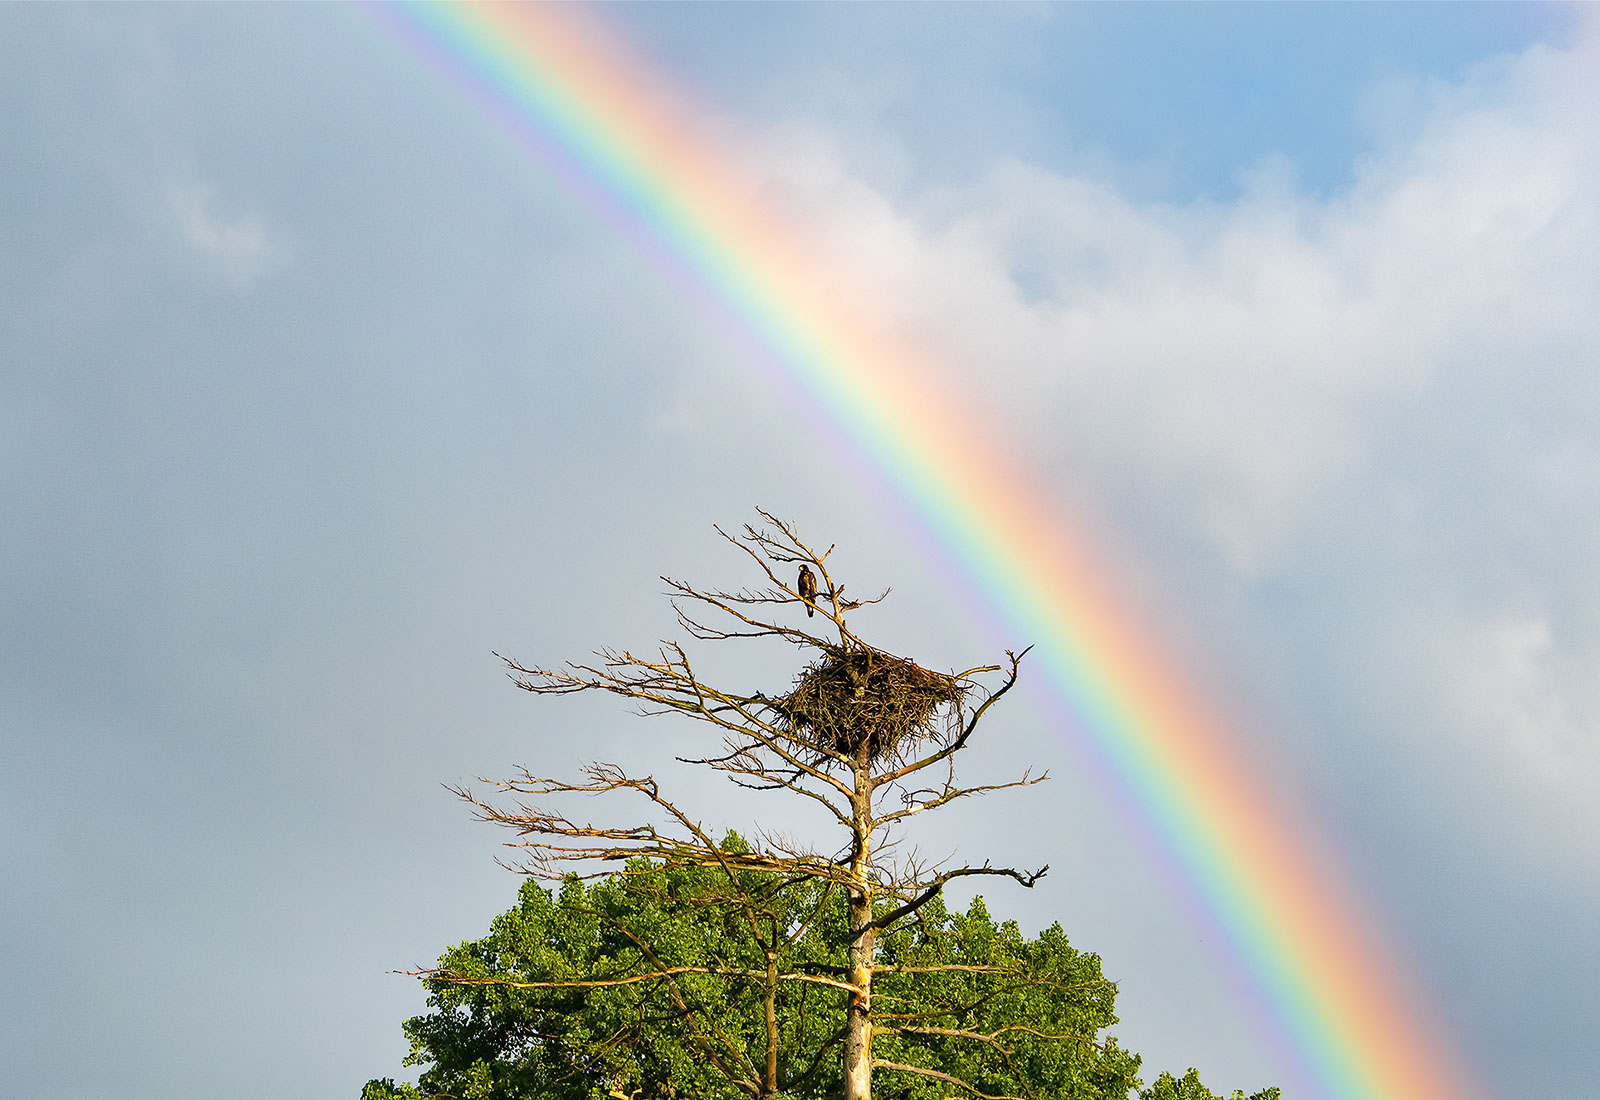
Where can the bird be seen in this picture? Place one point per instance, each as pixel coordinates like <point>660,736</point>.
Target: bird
<point>807,585</point>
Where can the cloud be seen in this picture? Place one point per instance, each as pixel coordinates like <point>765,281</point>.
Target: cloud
<point>235,243</point>
<point>1390,388</point>
<point>1510,682</point>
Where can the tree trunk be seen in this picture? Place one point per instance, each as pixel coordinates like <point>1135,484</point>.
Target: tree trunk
<point>769,1079</point>
<point>858,1024</point>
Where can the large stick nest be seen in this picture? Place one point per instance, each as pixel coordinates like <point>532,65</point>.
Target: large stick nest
<point>862,696</point>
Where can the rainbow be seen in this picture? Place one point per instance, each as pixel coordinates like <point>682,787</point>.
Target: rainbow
<point>598,114</point>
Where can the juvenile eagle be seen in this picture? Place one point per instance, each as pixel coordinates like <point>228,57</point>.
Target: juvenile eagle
<point>807,586</point>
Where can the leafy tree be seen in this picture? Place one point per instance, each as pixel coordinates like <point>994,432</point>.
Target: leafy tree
<point>996,1012</point>
<point>1168,1087</point>
<point>961,996</point>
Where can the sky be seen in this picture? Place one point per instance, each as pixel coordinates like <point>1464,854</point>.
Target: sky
<point>318,385</point>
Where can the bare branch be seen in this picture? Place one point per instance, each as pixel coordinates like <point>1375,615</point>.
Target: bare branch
<point>882,1063</point>
<point>446,975</point>
<point>955,746</point>
<point>932,889</point>
<point>990,1037</point>
<point>951,793</point>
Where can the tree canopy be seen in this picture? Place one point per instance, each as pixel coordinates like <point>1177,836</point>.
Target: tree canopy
<point>1168,1087</point>
<point>958,992</point>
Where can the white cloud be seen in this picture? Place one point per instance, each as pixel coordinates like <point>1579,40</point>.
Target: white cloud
<point>236,243</point>
<point>1508,705</point>
<point>1511,683</point>
<point>1231,354</point>
<point>1408,365</point>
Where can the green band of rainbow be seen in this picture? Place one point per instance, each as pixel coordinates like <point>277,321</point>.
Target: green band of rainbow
<point>1355,1025</point>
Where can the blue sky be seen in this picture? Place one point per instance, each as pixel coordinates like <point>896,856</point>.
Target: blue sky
<point>1172,100</point>
<point>315,387</point>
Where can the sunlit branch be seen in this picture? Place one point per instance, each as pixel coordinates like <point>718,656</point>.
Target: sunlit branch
<point>950,794</point>
<point>933,888</point>
<point>444,974</point>
<point>955,746</point>
<point>882,1063</point>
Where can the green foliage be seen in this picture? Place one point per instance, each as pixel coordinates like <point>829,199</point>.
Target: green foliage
<point>1168,1087</point>
<point>496,1040</point>
<point>1012,1015</point>
<point>1028,1026</point>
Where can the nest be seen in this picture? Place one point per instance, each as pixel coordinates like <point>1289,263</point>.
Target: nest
<point>863,697</point>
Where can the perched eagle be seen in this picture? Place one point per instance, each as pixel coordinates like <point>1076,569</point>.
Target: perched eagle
<point>808,588</point>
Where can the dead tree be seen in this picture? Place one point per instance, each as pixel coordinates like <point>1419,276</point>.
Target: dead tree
<point>868,736</point>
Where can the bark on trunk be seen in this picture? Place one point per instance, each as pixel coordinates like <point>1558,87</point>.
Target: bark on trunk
<point>858,1024</point>
<point>769,1079</point>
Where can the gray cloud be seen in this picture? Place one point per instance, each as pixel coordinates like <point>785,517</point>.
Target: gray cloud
<point>287,446</point>
<point>238,243</point>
